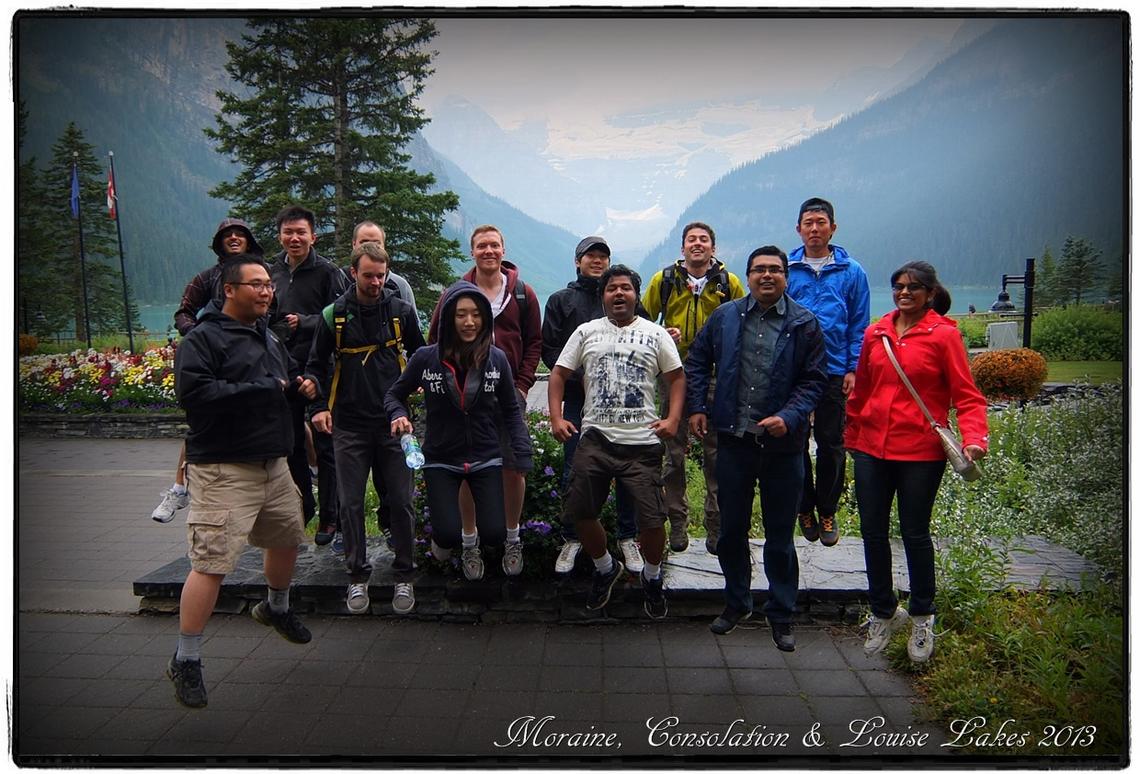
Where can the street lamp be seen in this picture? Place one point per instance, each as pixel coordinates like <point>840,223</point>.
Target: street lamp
<point>1003,303</point>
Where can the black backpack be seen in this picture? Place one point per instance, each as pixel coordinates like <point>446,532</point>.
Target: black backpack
<point>669,279</point>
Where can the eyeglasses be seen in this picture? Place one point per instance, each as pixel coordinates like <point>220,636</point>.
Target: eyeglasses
<point>766,270</point>
<point>913,287</point>
<point>258,287</point>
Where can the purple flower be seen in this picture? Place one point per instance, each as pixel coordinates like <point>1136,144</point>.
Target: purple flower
<point>553,494</point>
<point>549,471</point>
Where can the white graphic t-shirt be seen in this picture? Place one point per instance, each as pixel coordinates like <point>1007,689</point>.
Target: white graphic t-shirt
<point>620,368</point>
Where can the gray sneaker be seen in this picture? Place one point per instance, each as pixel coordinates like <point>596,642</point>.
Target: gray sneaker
<point>631,555</point>
<point>403,599</point>
<point>879,631</point>
<point>472,563</point>
<point>513,558</point>
<point>171,502</point>
<point>920,646</point>
<point>357,599</point>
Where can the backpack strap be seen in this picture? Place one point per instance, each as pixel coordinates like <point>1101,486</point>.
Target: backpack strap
<point>521,300</point>
<point>668,278</point>
<point>336,316</point>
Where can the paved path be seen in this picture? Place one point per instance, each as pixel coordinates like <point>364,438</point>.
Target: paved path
<point>92,684</point>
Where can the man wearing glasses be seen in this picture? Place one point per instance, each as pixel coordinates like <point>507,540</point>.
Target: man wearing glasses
<point>768,356</point>
<point>234,378</point>
<point>828,281</point>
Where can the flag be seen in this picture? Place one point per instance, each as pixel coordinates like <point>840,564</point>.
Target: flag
<point>74,191</point>
<point>111,213</point>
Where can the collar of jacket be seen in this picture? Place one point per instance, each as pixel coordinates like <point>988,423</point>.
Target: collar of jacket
<point>929,321</point>
<point>587,284</point>
<point>842,259</point>
<point>507,268</point>
<point>308,263</point>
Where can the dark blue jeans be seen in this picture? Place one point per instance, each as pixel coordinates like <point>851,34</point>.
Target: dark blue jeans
<point>916,483</point>
<point>626,516</point>
<point>740,467</point>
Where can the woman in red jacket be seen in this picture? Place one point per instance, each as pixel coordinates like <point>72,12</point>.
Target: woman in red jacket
<point>897,452</point>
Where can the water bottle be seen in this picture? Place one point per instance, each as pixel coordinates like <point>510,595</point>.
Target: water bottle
<point>413,456</point>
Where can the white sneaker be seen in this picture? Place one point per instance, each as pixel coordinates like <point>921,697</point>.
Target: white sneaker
<point>631,555</point>
<point>171,502</point>
<point>567,556</point>
<point>921,643</point>
<point>879,631</point>
<point>512,558</point>
<point>439,553</point>
<point>404,598</point>
<point>472,562</point>
<point>357,600</point>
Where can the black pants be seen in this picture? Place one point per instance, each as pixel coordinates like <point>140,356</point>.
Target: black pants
<point>360,451</point>
<point>830,458</point>
<point>916,483</point>
<point>443,505</point>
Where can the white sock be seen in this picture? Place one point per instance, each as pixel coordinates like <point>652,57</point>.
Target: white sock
<point>189,647</point>
<point>605,564</point>
<point>470,541</point>
<point>513,535</point>
<point>179,489</point>
<point>313,471</point>
<point>652,571</point>
<point>279,599</point>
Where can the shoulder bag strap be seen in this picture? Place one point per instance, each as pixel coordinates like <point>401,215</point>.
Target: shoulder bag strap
<point>905,381</point>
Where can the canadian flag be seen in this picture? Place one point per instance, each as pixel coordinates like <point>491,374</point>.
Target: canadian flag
<point>111,194</point>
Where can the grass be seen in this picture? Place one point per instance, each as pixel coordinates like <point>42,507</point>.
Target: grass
<point>1091,371</point>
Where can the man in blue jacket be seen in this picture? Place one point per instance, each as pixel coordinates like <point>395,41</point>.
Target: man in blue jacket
<point>829,282</point>
<point>768,356</point>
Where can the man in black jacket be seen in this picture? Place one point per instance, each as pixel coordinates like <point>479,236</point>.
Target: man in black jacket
<point>368,332</point>
<point>566,309</point>
<point>233,377</point>
<point>306,283</point>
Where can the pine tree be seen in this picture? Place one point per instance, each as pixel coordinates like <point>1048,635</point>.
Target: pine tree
<point>329,106</point>
<point>104,286</point>
<point>1115,287</point>
<point>1046,292</point>
<point>1079,269</point>
<point>42,308</point>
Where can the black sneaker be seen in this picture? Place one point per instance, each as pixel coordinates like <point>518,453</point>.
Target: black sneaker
<point>654,590</point>
<point>325,534</point>
<point>287,624</point>
<point>808,526</point>
<point>783,637</point>
<point>187,678</point>
<point>728,620</point>
<point>600,589</point>
<point>828,529</point>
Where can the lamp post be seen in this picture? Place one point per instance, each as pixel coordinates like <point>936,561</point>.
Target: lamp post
<point>1026,279</point>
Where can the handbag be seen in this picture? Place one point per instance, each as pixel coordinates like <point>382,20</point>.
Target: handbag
<point>962,465</point>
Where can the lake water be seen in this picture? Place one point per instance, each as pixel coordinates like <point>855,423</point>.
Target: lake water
<point>157,317</point>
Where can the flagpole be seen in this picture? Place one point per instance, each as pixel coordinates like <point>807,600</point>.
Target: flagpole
<point>82,252</point>
<point>113,198</point>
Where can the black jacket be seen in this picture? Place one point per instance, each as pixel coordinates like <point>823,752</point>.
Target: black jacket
<point>228,378</point>
<point>566,309</point>
<point>461,423</point>
<point>315,284</point>
<point>364,376</point>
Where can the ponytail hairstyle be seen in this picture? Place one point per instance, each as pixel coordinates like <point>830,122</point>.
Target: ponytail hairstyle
<point>938,298</point>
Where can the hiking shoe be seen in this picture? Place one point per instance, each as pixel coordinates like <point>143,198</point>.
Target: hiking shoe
<point>602,585</point>
<point>403,598</point>
<point>439,553</point>
<point>567,556</point>
<point>338,544</point>
<point>655,605</point>
<point>472,562</point>
<point>809,527</point>
<point>325,534</point>
<point>357,599</point>
<point>828,529</point>
<point>920,646</point>
<point>187,678</point>
<point>631,555</point>
<point>287,624</point>
<point>783,637</point>
<point>710,544</point>
<point>679,542</point>
<point>512,558</point>
<point>728,620</point>
<point>879,631</point>
<point>171,502</point>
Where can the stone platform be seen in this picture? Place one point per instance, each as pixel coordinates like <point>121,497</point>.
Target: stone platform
<point>832,584</point>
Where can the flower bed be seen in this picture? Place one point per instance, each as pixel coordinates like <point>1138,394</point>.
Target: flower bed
<point>92,381</point>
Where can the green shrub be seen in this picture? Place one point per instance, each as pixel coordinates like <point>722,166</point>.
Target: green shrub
<point>1079,333</point>
<point>973,331</point>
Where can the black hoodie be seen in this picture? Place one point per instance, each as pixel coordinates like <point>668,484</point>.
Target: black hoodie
<point>207,284</point>
<point>461,421</point>
<point>227,375</point>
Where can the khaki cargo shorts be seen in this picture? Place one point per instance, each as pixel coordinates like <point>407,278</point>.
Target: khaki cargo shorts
<point>234,503</point>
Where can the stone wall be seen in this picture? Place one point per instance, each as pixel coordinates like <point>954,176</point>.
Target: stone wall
<point>156,425</point>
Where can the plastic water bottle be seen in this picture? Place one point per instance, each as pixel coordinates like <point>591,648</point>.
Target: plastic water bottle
<point>413,455</point>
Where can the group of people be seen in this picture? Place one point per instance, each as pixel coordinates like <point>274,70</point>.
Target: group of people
<point>275,353</point>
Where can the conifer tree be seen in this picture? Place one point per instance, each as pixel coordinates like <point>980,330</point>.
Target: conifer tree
<point>1079,269</point>
<point>1046,292</point>
<point>328,107</point>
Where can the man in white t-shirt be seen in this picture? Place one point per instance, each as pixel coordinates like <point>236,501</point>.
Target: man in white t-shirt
<point>621,356</point>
